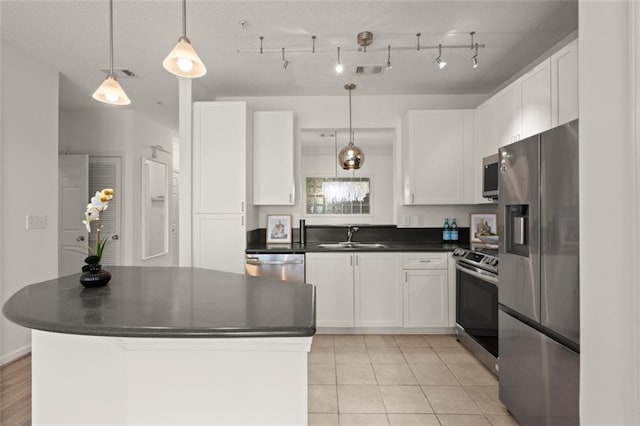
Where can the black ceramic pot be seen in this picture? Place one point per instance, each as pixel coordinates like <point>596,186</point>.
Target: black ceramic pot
<point>93,275</point>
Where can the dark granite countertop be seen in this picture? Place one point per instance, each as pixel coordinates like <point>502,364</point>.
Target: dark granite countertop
<point>395,246</point>
<point>170,302</point>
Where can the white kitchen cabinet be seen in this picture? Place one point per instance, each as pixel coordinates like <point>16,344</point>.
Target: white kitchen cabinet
<point>437,156</point>
<point>426,295</point>
<point>535,89</point>
<point>219,242</point>
<point>221,157</point>
<point>222,176</point>
<point>378,290</point>
<point>506,114</point>
<point>332,274</point>
<point>564,84</point>
<point>273,176</point>
<point>356,289</point>
<point>485,144</point>
<point>523,108</point>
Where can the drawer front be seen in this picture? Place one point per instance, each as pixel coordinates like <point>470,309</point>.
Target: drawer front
<point>424,261</point>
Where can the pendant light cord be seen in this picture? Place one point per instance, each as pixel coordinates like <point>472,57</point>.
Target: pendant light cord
<point>350,128</point>
<point>111,36</point>
<point>184,18</point>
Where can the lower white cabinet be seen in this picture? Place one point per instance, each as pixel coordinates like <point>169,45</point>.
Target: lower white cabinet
<point>356,289</point>
<point>332,274</point>
<point>378,291</point>
<point>425,290</point>
<point>381,290</point>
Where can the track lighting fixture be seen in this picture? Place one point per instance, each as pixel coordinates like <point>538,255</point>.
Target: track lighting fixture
<point>110,91</point>
<point>183,60</point>
<point>339,67</point>
<point>439,61</point>
<point>364,43</point>
<point>350,157</point>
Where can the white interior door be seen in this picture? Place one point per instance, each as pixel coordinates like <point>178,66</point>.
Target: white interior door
<point>73,183</point>
<point>106,172</point>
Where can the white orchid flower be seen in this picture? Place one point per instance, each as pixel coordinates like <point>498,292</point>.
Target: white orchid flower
<point>92,214</point>
<point>99,201</point>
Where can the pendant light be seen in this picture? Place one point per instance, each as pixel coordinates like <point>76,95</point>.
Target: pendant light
<point>350,157</point>
<point>110,91</point>
<point>183,60</point>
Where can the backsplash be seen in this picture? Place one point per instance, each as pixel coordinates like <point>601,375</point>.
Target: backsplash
<point>365,233</point>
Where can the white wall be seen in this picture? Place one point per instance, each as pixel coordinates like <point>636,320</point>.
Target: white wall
<point>127,133</point>
<point>609,215</point>
<point>374,112</point>
<point>29,179</point>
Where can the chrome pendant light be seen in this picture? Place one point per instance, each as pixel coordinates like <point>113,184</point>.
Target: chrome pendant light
<point>183,60</point>
<point>350,157</point>
<point>110,91</point>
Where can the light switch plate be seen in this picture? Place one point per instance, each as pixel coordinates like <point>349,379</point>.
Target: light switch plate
<point>36,222</point>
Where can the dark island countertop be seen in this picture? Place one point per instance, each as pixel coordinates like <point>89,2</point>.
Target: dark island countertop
<point>394,246</point>
<point>167,302</point>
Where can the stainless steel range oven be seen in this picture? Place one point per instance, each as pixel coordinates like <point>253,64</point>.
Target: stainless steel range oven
<point>477,303</point>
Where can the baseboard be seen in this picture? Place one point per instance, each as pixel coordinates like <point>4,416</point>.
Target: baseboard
<point>12,356</point>
<point>385,330</point>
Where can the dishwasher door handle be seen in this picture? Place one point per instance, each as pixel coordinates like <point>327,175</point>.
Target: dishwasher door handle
<point>274,262</point>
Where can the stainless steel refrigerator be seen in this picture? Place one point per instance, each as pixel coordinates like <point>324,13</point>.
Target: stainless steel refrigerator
<point>539,283</point>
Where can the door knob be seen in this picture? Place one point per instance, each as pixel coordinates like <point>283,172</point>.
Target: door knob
<point>115,237</point>
<point>80,238</point>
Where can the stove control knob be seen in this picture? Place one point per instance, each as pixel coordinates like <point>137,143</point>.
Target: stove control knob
<point>494,262</point>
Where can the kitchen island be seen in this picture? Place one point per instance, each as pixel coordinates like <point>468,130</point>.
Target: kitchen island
<point>168,345</point>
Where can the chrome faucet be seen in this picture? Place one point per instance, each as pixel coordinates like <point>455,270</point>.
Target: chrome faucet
<point>350,231</point>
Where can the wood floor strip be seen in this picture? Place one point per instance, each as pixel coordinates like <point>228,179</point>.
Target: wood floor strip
<point>15,392</point>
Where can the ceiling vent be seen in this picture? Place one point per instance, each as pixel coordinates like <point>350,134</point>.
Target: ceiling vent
<point>369,69</point>
<point>119,72</point>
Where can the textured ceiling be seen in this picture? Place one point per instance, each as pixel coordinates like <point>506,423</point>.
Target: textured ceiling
<point>72,37</point>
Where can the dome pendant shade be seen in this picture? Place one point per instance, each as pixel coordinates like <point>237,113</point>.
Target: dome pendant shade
<point>110,92</point>
<point>351,157</point>
<point>183,60</point>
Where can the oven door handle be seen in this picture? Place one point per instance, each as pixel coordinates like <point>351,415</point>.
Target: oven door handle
<point>478,273</point>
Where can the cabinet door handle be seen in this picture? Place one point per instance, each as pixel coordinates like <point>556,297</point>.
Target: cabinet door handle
<point>242,207</point>
<point>425,261</point>
<point>242,218</point>
<point>412,197</point>
<point>290,197</point>
<point>351,260</point>
<point>405,276</point>
<point>356,260</point>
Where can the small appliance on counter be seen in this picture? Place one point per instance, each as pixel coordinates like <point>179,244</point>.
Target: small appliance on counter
<point>477,302</point>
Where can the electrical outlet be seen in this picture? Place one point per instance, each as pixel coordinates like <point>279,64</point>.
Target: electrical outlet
<point>36,222</point>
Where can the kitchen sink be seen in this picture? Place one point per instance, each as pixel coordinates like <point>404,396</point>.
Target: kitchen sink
<point>345,245</point>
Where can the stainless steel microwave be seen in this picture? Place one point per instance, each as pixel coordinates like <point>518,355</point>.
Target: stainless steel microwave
<point>490,176</point>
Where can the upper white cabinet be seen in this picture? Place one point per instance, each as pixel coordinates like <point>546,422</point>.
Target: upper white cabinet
<point>535,89</point>
<point>523,108</point>
<point>221,157</point>
<point>506,114</point>
<point>437,155</point>
<point>564,84</point>
<point>273,177</point>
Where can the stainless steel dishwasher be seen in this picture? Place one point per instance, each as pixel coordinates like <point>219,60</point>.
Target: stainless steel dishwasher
<point>286,267</point>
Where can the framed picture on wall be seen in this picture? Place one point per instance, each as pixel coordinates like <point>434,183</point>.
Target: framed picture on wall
<point>483,225</point>
<point>279,228</point>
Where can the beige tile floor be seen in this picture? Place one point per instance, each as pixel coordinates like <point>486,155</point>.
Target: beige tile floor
<point>400,380</point>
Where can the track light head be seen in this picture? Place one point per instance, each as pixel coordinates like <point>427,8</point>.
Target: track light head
<point>285,64</point>
<point>475,61</point>
<point>339,68</point>
<point>439,61</point>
